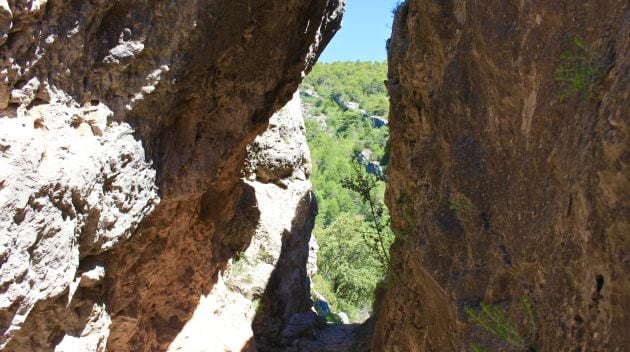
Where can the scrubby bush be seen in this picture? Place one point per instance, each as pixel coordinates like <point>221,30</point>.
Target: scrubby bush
<point>579,69</point>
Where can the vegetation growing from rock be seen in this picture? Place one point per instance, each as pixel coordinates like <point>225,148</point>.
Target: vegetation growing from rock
<point>339,100</point>
<point>580,69</point>
<point>493,320</point>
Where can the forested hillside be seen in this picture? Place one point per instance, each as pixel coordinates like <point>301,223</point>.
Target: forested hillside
<point>346,108</point>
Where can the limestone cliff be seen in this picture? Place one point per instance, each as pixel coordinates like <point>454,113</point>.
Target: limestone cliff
<point>503,186</point>
<point>123,131</point>
<point>266,285</point>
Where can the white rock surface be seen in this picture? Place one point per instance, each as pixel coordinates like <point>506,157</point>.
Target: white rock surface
<point>93,337</point>
<point>223,320</point>
<point>65,193</point>
<point>282,152</point>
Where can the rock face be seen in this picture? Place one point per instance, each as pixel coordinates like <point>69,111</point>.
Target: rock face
<point>499,188</point>
<point>280,163</point>
<point>281,154</point>
<point>123,131</point>
<point>271,271</point>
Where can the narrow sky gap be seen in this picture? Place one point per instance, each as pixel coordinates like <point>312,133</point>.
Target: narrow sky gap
<point>366,27</point>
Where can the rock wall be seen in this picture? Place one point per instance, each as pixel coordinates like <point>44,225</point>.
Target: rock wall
<point>500,188</point>
<point>124,127</point>
<point>280,163</point>
<point>266,285</point>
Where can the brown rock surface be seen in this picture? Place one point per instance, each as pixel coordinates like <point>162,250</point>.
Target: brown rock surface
<point>124,127</point>
<point>498,188</point>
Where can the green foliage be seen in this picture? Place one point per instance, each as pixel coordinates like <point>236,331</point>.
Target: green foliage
<point>257,305</point>
<point>461,204</point>
<point>579,69</point>
<point>333,318</point>
<point>493,320</point>
<point>530,313</point>
<point>353,254</point>
<point>349,267</point>
<point>360,82</point>
<point>366,186</point>
<point>242,265</point>
<point>346,132</point>
<point>330,156</point>
<point>265,256</point>
<point>239,262</point>
<point>476,348</point>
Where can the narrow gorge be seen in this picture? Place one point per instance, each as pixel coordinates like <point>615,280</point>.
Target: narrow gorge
<point>155,177</point>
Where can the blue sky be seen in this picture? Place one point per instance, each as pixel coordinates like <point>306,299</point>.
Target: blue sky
<point>366,27</point>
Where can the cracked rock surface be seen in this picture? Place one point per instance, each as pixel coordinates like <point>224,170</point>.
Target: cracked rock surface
<point>123,131</point>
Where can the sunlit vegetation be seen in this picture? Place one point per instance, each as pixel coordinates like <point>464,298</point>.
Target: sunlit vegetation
<point>340,99</point>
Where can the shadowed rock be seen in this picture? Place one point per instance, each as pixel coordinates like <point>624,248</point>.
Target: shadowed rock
<point>500,187</point>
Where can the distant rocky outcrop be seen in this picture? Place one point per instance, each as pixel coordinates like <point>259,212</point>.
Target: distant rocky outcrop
<point>378,122</point>
<point>375,168</point>
<point>371,166</point>
<point>350,105</point>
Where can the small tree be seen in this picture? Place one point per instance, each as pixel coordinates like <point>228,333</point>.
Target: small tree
<point>366,185</point>
<point>380,237</point>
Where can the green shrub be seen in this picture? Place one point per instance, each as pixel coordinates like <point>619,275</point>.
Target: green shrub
<point>265,256</point>
<point>348,268</point>
<point>579,69</point>
<point>493,320</point>
<point>462,204</point>
<point>366,186</point>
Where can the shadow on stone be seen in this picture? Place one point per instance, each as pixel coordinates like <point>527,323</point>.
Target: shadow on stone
<point>285,320</point>
<point>285,312</point>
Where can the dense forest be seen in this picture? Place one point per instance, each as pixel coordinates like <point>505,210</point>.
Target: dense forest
<point>346,108</point>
